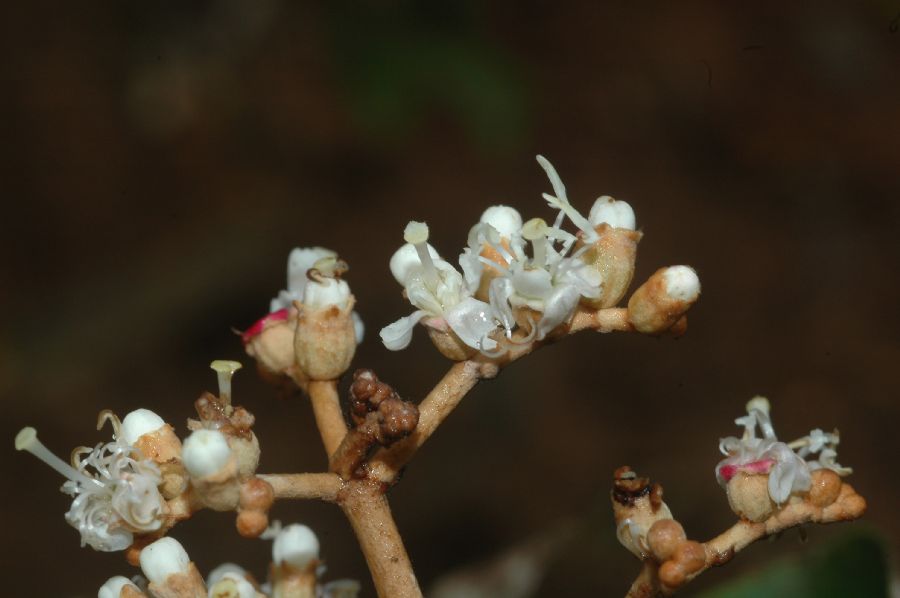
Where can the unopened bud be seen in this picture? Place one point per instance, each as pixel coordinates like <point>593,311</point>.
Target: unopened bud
<point>140,422</point>
<point>748,496</point>
<point>661,301</point>
<point>114,585</point>
<point>296,545</point>
<point>613,255</point>
<point>506,220</point>
<point>163,558</point>
<point>325,340</point>
<point>205,453</point>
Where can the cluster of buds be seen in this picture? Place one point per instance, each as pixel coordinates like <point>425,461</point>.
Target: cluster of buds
<point>168,572</point>
<point>380,418</point>
<point>645,526</point>
<point>524,281</point>
<point>762,474</point>
<point>133,489</point>
<point>311,331</point>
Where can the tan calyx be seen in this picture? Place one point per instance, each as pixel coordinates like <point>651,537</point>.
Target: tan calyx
<point>325,340</point>
<point>637,506</point>
<point>131,592</point>
<point>651,310</point>
<point>219,491</point>
<point>181,585</point>
<point>273,348</point>
<point>164,448</point>
<point>292,582</point>
<point>447,343</point>
<point>748,496</point>
<point>613,255</point>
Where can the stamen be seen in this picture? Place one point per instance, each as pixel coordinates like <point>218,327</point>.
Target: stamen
<point>535,230</point>
<point>416,234</point>
<point>561,202</point>
<point>27,440</point>
<point>225,370</point>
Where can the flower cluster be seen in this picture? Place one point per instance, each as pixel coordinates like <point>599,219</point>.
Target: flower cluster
<point>786,467</point>
<point>115,488</point>
<point>311,331</point>
<point>295,571</point>
<point>519,281</point>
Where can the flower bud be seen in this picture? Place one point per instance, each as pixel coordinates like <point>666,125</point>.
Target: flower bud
<point>164,558</point>
<point>140,422</point>
<point>170,571</point>
<point>506,220</point>
<point>825,486</point>
<point>213,467</point>
<point>616,214</point>
<point>296,545</point>
<point>270,341</point>
<point>231,585</point>
<point>661,302</point>
<point>325,340</point>
<point>205,453</point>
<point>114,585</point>
<point>158,442</point>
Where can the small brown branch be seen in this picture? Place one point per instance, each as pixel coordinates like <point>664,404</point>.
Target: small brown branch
<point>367,509</point>
<point>386,463</point>
<point>324,486</point>
<point>654,580</point>
<point>327,408</point>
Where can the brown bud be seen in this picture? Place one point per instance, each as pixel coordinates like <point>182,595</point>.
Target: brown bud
<point>257,495</point>
<point>691,556</point>
<point>672,574</point>
<point>664,537</point>
<point>251,523</point>
<point>825,487</point>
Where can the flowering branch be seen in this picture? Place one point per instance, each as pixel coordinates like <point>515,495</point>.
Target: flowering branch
<point>769,486</point>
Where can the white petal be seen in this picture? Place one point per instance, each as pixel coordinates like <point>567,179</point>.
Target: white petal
<point>617,214</point>
<point>506,220</point>
<point>398,335</point>
<point>359,328</point>
<point>472,321</point>
<point>471,267</point>
<point>300,261</point>
<point>420,296</point>
<point>682,283</point>
<point>789,474</point>
<point>558,308</point>
<point>499,293</point>
<point>406,259</point>
<point>220,571</point>
<point>327,291</point>
<point>532,283</point>
<point>140,422</point>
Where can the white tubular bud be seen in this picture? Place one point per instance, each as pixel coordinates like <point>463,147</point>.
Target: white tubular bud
<point>617,214</point>
<point>232,585</point>
<point>222,570</point>
<point>296,545</point>
<point>113,587</point>
<point>505,219</point>
<point>163,558</point>
<point>140,422</point>
<point>682,283</point>
<point>662,301</point>
<point>205,452</point>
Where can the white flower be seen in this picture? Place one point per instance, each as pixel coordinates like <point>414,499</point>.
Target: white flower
<point>788,472</point>
<point>114,489</point>
<point>300,261</point>
<point>439,292</point>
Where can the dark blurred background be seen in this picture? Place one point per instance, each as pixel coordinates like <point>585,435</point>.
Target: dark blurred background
<point>161,159</point>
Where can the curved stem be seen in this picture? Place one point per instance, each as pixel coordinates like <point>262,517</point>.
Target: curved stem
<point>367,509</point>
<point>327,409</point>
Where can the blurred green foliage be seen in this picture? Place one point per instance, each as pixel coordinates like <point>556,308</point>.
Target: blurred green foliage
<point>853,565</point>
<point>402,64</point>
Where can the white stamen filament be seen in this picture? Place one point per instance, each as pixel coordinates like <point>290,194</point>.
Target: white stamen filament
<point>416,234</point>
<point>27,440</point>
<point>225,370</point>
<point>535,230</point>
<point>561,202</point>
